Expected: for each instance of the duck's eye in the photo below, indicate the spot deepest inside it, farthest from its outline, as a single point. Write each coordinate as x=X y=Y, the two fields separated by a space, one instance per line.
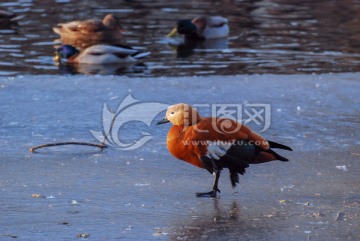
x=172 y=113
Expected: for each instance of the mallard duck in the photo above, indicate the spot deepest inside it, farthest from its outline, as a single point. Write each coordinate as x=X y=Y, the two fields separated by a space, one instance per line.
x=99 y=54
x=89 y=32
x=201 y=28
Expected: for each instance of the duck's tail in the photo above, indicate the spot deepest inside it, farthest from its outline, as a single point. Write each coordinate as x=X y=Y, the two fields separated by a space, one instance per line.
x=57 y=30
x=276 y=156
x=269 y=154
x=277 y=146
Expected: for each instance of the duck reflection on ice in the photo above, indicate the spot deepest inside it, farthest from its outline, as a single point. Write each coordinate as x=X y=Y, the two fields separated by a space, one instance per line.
x=98 y=69
x=222 y=216
x=185 y=48
x=99 y=59
x=230 y=215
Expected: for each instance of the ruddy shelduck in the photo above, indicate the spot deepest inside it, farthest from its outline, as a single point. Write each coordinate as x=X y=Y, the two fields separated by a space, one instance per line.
x=216 y=143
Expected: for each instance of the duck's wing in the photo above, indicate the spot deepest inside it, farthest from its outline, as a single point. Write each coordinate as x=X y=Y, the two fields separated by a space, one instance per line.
x=216 y=28
x=232 y=145
x=84 y=27
x=69 y=27
x=238 y=156
x=90 y=26
x=216 y=21
x=118 y=50
x=108 y=54
x=57 y=29
x=218 y=158
x=228 y=130
x=240 y=141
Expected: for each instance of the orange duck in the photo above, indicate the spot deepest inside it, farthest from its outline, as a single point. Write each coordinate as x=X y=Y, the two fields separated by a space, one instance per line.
x=216 y=143
x=90 y=32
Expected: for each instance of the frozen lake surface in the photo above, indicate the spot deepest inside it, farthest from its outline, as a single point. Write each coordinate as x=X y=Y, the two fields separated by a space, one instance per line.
x=146 y=194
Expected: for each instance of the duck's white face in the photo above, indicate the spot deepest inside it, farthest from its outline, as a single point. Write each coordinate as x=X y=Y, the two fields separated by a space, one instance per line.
x=175 y=114
x=182 y=115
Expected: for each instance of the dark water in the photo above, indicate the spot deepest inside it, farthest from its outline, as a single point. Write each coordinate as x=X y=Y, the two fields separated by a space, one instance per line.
x=268 y=36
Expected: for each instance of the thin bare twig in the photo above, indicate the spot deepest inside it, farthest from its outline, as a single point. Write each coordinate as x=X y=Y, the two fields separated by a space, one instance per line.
x=101 y=145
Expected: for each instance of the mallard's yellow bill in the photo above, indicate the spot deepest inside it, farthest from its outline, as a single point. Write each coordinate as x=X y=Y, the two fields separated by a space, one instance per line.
x=172 y=33
x=57 y=58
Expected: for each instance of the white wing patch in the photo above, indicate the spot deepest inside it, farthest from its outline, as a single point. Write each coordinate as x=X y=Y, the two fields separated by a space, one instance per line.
x=217 y=149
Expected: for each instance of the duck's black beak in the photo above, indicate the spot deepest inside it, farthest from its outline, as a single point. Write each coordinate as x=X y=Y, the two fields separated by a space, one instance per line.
x=163 y=121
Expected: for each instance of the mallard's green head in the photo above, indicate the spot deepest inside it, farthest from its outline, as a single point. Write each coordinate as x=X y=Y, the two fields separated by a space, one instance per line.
x=67 y=51
x=186 y=27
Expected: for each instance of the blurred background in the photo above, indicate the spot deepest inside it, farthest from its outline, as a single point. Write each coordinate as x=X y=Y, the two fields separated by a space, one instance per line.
x=266 y=36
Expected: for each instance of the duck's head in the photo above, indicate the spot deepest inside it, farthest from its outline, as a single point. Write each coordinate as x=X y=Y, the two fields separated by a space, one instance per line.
x=184 y=27
x=112 y=22
x=66 y=51
x=181 y=115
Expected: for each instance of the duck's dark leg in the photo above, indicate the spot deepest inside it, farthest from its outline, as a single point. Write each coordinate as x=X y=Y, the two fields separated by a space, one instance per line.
x=215 y=188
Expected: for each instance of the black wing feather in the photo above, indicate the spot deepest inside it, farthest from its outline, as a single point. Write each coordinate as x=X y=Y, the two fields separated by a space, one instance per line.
x=235 y=165
x=238 y=157
x=278 y=145
x=277 y=156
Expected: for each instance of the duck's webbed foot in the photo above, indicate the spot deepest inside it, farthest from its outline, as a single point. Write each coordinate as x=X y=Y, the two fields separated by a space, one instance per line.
x=208 y=194
x=215 y=188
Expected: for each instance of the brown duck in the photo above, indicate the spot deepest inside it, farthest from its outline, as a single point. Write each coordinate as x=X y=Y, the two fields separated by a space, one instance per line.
x=84 y=33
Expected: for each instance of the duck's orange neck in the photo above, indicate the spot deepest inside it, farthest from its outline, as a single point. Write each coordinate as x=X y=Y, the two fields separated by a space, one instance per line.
x=179 y=146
